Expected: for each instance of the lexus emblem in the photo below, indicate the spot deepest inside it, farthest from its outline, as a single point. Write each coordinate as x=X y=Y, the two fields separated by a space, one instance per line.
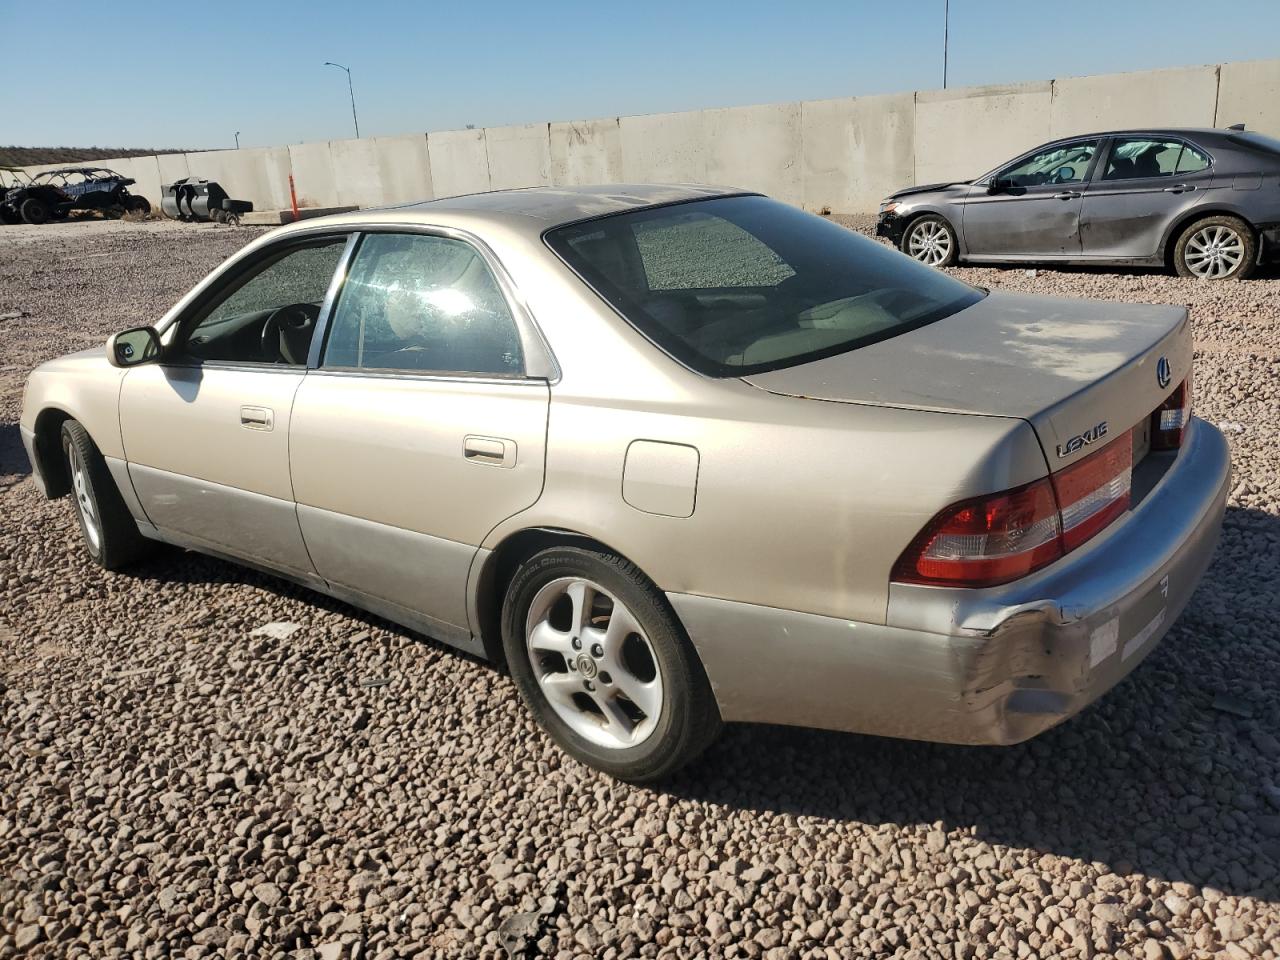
x=1163 y=372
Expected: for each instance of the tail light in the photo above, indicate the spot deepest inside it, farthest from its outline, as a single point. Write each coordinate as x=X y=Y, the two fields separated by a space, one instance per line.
x=1001 y=537
x=1169 y=422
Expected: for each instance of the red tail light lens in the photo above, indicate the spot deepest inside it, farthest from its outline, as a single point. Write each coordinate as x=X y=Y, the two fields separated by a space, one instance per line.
x=998 y=538
x=1094 y=491
x=1169 y=422
x=986 y=541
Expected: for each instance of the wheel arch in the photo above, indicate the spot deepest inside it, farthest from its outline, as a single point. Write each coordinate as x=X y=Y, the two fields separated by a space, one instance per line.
x=48 y=450
x=493 y=572
x=1169 y=241
x=947 y=214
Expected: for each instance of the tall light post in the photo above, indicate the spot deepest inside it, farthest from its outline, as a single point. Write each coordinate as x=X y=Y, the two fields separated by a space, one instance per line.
x=350 y=90
x=237 y=139
x=946 y=30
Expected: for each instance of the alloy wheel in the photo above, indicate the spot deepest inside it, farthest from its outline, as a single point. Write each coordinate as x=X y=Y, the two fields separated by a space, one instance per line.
x=929 y=242
x=84 y=498
x=1214 y=252
x=594 y=663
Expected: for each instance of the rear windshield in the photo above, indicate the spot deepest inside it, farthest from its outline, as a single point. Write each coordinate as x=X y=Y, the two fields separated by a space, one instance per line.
x=741 y=285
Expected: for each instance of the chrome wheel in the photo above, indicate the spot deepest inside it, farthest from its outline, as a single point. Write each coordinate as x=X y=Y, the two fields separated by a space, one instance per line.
x=84 y=497
x=929 y=241
x=594 y=663
x=1214 y=252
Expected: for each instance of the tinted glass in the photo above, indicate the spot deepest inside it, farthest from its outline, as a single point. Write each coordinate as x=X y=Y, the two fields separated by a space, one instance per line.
x=1140 y=158
x=1061 y=164
x=251 y=323
x=415 y=302
x=739 y=285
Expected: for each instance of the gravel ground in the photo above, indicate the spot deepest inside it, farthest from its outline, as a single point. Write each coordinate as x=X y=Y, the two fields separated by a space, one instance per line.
x=176 y=782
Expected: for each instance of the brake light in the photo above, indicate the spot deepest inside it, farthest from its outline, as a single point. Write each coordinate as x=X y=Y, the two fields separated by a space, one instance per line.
x=1169 y=422
x=1001 y=537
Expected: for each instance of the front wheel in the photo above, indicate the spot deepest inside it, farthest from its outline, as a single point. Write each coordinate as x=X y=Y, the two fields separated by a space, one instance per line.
x=604 y=665
x=932 y=240
x=110 y=533
x=34 y=211
x=1216 y=248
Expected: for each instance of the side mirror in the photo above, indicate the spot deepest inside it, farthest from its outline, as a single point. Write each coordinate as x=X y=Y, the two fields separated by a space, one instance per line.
x=999 y=185
x=130 y=348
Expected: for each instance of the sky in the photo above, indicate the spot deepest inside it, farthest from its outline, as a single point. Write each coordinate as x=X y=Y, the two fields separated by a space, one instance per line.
x=175 y=75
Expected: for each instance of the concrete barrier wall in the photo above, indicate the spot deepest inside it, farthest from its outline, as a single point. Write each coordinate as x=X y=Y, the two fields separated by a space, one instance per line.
x=840 y=155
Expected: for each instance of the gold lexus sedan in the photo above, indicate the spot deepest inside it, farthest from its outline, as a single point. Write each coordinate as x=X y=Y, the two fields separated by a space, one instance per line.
x=674 y=455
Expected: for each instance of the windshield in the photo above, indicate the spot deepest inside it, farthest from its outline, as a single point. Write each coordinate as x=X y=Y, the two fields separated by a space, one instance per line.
x=741 y=285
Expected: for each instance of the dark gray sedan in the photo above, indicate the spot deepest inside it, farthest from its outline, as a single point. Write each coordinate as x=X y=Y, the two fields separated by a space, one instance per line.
x=1204 y=202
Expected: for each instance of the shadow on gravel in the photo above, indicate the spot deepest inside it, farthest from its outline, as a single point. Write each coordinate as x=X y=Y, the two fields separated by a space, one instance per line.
x=1153 y=778
x=13 y=456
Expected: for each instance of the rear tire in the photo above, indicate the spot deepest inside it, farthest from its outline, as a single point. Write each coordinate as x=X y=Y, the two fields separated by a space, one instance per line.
x=604 y=665
x=34 y=211
x=1216 y=248
x=110 y=533
x=931 y=240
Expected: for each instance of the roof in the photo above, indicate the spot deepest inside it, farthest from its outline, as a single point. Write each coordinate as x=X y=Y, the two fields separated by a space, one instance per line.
x=1172 y=131
x=557 y=205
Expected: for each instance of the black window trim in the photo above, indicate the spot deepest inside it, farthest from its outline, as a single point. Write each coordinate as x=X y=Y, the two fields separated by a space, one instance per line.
x=1101 y=139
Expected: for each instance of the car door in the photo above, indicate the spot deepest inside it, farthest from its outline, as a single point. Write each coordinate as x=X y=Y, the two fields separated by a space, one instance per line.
x=1031 y=208
x=421 y=426
x=1142 y=186
x=206 y=430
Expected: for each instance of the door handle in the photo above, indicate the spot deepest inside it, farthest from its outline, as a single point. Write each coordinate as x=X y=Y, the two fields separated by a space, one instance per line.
x=1180 y=188
x=493 y=451
x=1066 y=195
x=257 y=418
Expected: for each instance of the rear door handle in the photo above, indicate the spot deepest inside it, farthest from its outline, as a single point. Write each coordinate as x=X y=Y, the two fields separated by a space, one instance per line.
x=493 y=451
x=1066 y=195
x=1180 y=188
x=257 y=418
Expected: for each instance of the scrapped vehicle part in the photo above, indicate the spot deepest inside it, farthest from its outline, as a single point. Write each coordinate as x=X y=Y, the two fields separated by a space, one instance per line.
x=676 y=455
x=196 y=199
x=1204 y=202
x=92 y=188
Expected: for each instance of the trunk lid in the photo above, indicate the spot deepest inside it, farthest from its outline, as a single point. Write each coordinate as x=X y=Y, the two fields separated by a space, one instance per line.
x=1079 y=371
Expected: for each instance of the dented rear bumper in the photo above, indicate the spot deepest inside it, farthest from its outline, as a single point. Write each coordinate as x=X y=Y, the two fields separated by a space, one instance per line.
x=991 y=666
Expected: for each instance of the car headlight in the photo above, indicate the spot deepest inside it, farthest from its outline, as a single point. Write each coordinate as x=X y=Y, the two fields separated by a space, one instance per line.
x=889 y=206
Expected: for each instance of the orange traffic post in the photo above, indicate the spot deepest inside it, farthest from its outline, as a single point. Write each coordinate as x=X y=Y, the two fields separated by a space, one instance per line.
x=293 y=198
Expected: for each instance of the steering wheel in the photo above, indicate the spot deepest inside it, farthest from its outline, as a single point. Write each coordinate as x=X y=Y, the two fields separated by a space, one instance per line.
x=286 y=333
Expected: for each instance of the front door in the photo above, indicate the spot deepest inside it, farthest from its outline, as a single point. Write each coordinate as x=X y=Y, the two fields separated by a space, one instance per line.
x=1145 y=184
x=206 y=430
x=420 y=430
x=1032 y=208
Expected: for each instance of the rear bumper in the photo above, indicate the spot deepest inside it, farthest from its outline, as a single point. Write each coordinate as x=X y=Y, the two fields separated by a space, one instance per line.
x=993 y=666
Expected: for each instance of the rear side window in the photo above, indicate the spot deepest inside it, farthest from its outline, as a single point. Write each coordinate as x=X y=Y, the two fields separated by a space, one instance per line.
x=740 y=285
x=1140 y=158
x=423 y=303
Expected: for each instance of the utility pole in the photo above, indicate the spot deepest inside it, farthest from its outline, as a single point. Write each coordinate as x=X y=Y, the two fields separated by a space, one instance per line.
x=237 y=139
x=946 y=31
x=351 y=90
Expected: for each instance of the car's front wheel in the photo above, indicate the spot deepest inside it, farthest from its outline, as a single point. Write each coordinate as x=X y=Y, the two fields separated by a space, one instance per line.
x=110 y=533
x=1216 y=248
x=932 y=240
x=604 y=665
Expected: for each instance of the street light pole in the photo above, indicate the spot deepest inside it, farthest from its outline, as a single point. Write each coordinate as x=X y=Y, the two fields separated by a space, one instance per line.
x=946 y=31
x=237 y=139
x=350 y=90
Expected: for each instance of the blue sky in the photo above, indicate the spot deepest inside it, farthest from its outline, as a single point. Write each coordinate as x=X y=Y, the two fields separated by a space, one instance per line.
x=144 y=74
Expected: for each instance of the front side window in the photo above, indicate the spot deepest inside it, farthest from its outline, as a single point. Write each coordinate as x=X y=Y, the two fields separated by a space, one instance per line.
x=422 y=303
x=1139 y=158
x=1065 y=163
x=739 y=285
x=270 y=314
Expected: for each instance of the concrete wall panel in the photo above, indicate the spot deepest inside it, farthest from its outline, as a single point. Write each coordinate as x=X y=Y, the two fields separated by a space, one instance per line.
x=664 y=148
x=1184 y=97
x=1249 y=93
x=459 y=162
x=260 y=175
x=404 y=167
x=145 y=171
x=357 y=176
x=586 y=151
x=173 y=166
x=755 y=147
x=963 y=133
x=314 y=177
x=519 y=156
x=856 y=150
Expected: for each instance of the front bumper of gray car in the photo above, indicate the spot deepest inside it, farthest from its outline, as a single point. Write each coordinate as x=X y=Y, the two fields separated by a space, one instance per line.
x=891 y=226
x=991 y=666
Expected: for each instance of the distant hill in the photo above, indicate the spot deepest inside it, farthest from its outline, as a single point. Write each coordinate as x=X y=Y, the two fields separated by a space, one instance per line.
x=30 y=156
